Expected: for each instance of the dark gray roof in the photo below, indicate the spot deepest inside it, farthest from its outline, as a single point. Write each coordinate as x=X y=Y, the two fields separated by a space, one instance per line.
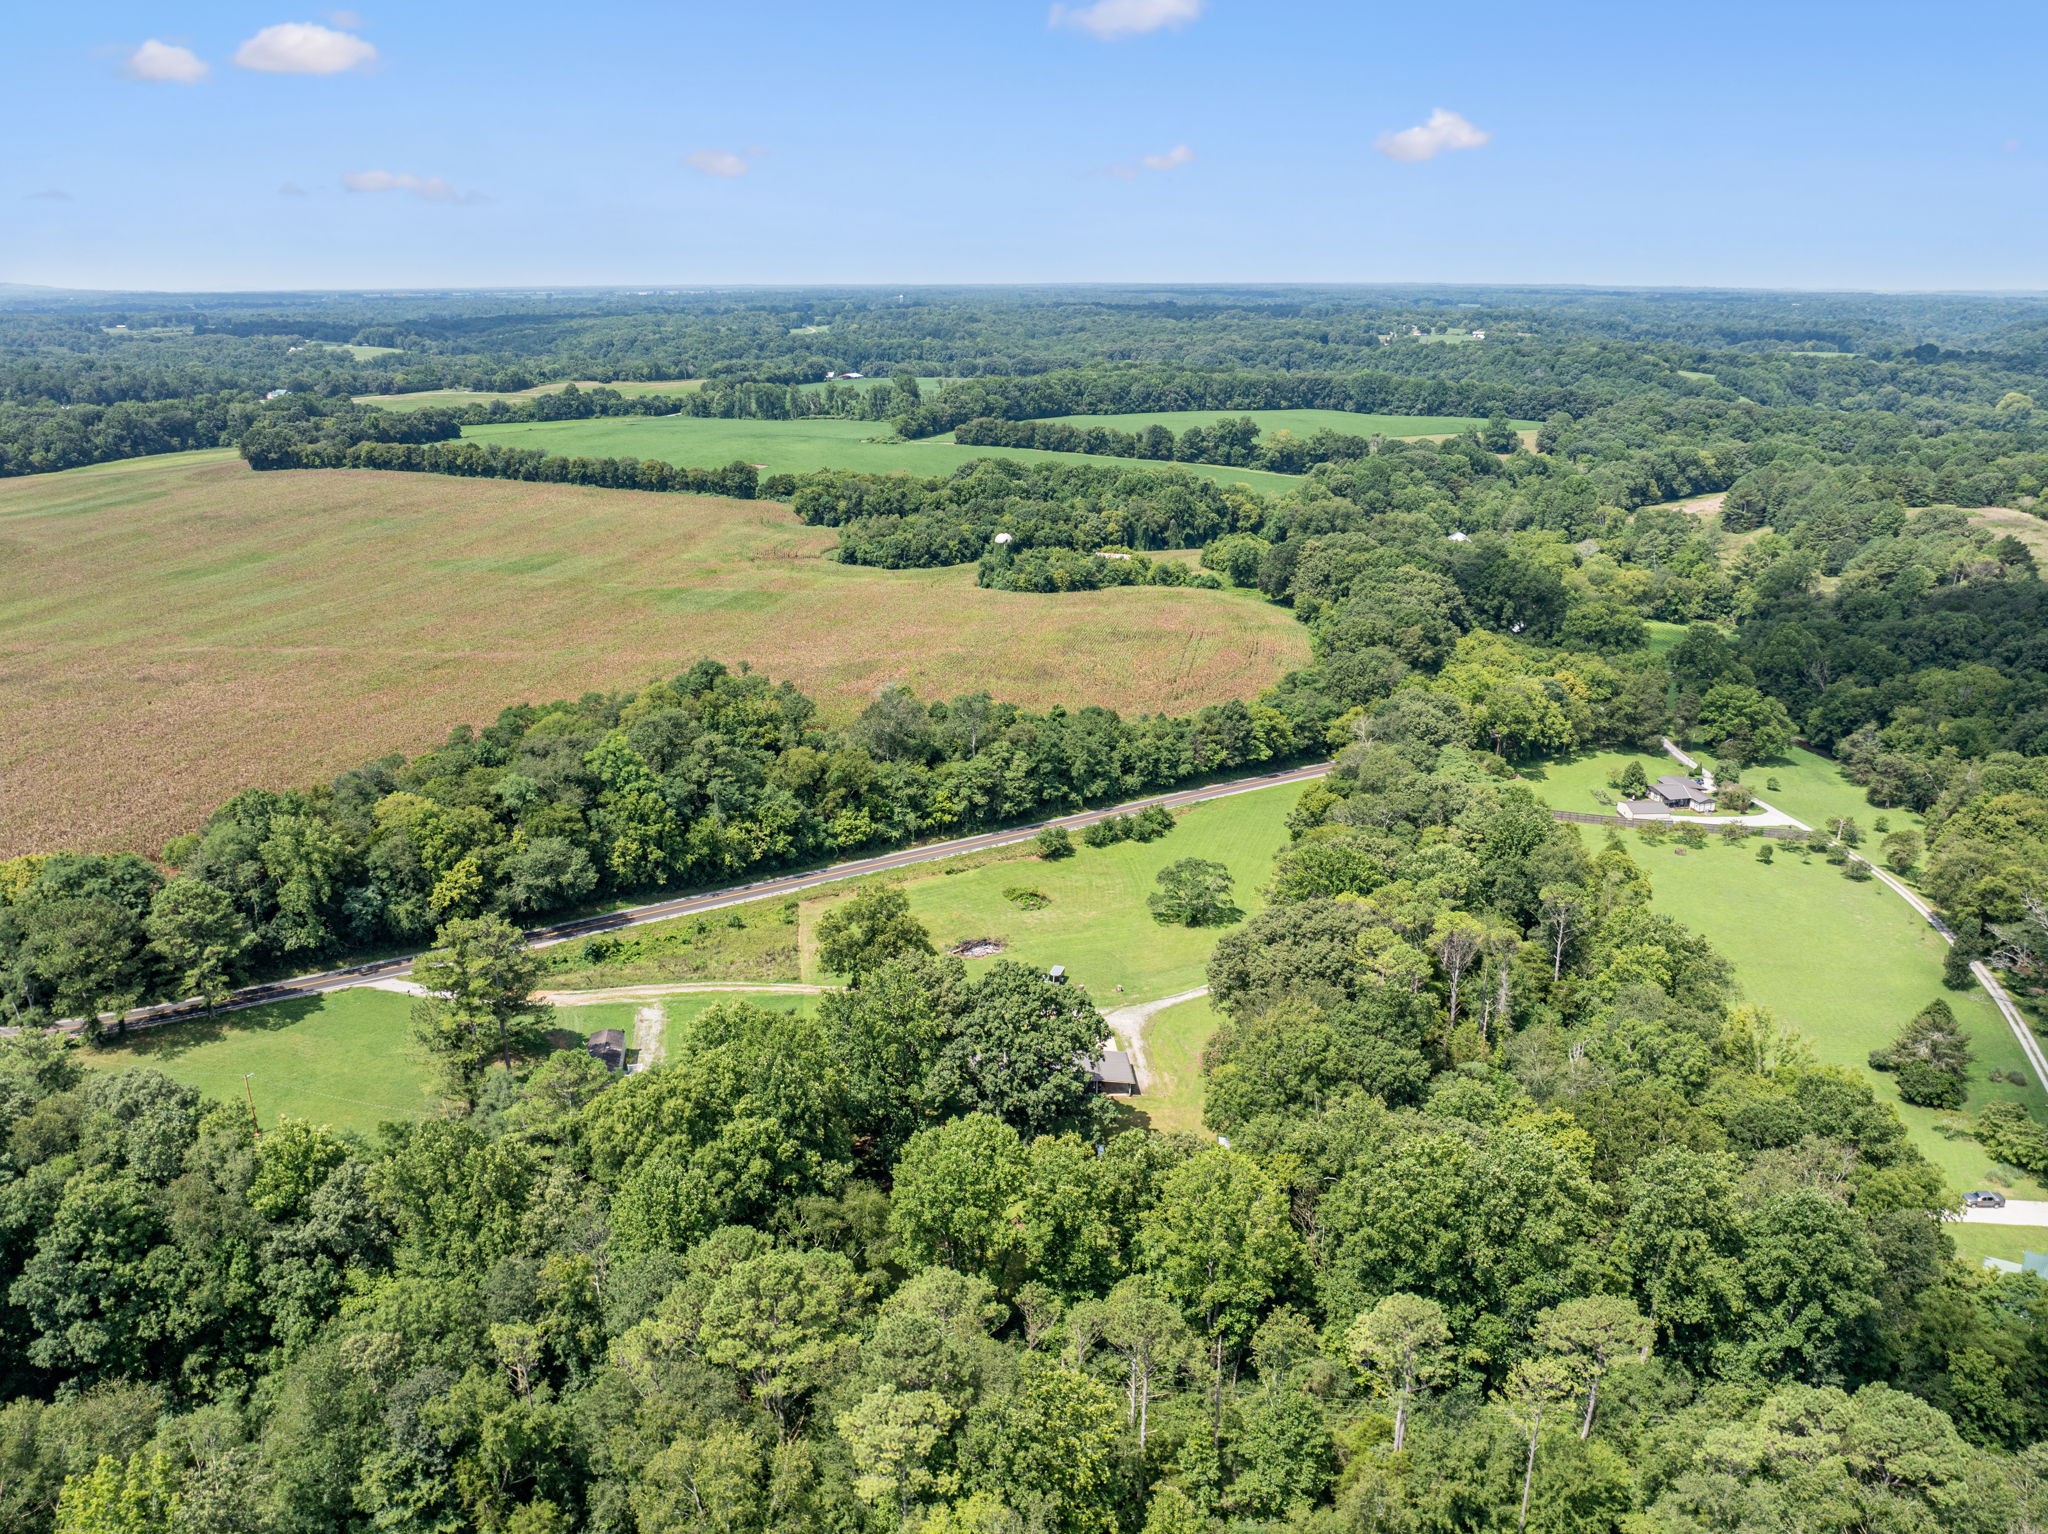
x=1679 y=787
x=1111 y=1071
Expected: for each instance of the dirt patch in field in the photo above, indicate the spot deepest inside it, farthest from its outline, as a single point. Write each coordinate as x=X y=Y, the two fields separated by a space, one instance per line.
x=175 y=630
x=977 y=948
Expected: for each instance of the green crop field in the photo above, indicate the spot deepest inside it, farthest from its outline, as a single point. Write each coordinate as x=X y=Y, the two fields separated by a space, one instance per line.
x=1846 y=964
x=1301 y=422
x=157 y=608
x=793 y=447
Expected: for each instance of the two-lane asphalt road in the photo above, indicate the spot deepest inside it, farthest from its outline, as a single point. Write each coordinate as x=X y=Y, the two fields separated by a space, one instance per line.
x=730 y=895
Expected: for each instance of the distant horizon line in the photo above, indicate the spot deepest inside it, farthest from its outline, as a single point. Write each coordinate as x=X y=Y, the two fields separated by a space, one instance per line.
x=678 y=289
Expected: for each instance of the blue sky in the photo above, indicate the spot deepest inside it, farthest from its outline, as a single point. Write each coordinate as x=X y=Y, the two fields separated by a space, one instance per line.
x=1803 y=143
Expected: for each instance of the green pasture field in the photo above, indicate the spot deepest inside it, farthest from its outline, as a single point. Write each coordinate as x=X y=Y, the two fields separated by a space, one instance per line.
x=793 y=447
x=1846 y=964
x=1975 y=1242
x=1174 y=1041
x=425 y=397
x=687 y=948
x=1302 y=423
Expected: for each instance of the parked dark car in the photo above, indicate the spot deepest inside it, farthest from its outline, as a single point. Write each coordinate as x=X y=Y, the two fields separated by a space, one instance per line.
x=1983 y=1200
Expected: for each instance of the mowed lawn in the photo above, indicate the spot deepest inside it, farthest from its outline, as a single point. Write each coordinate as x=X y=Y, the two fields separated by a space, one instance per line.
x=1811 y=788
x=1846 y=964
x=1975 y=1242
x=1174 y=1041
x=795 y=447
x=1095 y=921
x=175 y=629
x=346 y=1060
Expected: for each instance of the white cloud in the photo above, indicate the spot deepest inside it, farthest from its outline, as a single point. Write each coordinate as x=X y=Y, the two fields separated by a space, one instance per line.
x=50 y=194
x=304 y=48
x=431 y=188
x=1425 y=141
x=349 y=19
x=166 y=62
x=1173 y=159
x=291 y=189
x=1112 y=19
x=719 y=162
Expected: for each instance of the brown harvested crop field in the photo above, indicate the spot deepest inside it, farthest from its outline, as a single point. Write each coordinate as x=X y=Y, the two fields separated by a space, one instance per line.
x=175 y=629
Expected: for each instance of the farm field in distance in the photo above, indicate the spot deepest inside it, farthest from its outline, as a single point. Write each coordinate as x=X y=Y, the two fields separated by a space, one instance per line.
x=1301 y=422
x=157 y=609
x=795 y=447
x=426 y=397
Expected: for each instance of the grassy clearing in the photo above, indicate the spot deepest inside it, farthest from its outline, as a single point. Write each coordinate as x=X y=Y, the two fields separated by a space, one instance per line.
x=794 y=447
x=1813 y=789
x=1174 y=1041
x=175 y=629
x=1664 y=636
x=345 y=1060
x=1095 y=921
x=685 y=949
x=1581 y=782
x=1846 y=964
x=2012 y=1242
x=425 y=397
x=2023 y=525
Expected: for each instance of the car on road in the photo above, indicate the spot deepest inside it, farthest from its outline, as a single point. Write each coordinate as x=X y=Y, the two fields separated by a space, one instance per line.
x=1982 y=1200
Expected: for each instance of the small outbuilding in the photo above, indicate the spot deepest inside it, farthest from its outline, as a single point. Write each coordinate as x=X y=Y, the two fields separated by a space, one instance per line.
x=1110 y=1071
x=608 y=1045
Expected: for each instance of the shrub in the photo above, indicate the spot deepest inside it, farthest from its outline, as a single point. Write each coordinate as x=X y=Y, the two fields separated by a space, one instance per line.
x=1054 y=843
x=2009 y=1133
x=1027 y=899
x=1767 y=851
x=1926 y=1087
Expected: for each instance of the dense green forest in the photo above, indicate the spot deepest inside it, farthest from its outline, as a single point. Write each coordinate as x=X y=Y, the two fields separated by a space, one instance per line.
x=1521 y=1217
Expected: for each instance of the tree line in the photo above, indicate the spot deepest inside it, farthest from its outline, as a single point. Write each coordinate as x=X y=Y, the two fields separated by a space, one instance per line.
x=1525 y=1220
x=700 y=779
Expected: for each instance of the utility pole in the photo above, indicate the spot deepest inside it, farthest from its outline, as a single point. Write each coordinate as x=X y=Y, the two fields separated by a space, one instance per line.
x=254 y=1122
